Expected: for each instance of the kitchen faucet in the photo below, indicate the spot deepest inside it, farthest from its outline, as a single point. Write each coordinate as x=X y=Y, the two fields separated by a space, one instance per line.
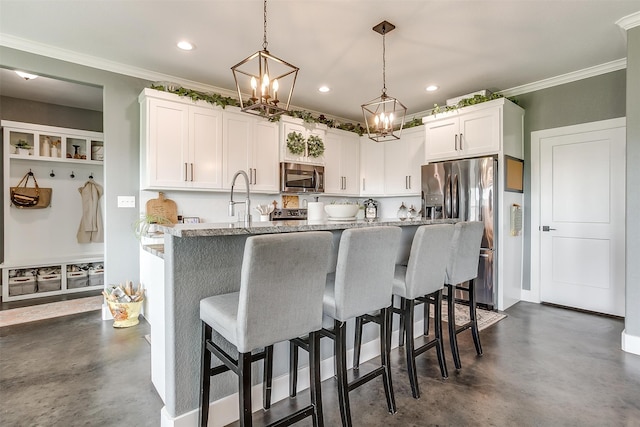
x=247 y=202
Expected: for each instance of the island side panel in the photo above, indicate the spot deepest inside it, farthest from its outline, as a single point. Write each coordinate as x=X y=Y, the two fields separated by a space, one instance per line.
x=195 y=268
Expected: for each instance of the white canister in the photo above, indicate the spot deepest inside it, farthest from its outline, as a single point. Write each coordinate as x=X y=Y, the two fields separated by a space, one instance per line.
x=46 y=147
x=315 y=211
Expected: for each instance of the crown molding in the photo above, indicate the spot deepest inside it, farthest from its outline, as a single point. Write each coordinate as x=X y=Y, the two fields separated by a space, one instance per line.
x=103 y=64
x=619 y=64
x=630 y=21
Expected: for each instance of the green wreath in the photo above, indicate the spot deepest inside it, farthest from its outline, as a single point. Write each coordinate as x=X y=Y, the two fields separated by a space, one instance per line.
x=295 y=142
x=315 y=146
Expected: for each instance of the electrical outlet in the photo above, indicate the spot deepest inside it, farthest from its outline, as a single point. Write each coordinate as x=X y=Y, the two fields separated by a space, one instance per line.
x=126 y=201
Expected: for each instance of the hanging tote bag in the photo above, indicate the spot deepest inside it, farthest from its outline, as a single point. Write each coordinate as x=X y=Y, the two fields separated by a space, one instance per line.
x=23 y=196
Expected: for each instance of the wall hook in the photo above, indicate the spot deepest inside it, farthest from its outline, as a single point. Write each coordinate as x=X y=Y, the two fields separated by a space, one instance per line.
x=91 y=175
x=73 y=175
x=52 y=174
x=30 y=173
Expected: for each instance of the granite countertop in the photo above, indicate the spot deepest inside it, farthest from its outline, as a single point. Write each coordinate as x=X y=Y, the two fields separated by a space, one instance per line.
x=271 y=227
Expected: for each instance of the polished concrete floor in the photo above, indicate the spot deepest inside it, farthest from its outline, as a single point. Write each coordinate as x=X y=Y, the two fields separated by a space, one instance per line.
x=542 y=366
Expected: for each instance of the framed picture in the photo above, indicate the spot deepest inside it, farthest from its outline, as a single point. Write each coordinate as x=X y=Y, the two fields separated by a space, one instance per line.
x=513 y=174
x=191 y=220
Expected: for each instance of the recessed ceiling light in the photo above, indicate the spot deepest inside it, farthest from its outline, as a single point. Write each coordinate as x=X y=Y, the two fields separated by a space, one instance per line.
x=324 y=89
x=432 y=88
x=185 y=45
x=26 y=76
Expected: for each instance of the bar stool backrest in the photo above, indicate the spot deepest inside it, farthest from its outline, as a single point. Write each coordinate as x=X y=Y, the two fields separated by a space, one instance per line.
x=281 y=300
x=364 y=272
x=465 y=252
x=428 y=259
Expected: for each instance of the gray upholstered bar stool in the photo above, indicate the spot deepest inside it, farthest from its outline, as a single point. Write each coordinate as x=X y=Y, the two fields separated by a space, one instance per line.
x=362 y=283
x=421 y=281
x=463 y=267
x=274 y=304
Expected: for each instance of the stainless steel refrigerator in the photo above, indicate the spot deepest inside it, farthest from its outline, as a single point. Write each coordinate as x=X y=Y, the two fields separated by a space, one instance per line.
x=466 y=189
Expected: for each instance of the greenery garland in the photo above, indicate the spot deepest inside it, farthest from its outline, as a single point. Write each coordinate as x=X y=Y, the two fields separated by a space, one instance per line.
x=307 y=117
x=315 y=146
x=295 y=142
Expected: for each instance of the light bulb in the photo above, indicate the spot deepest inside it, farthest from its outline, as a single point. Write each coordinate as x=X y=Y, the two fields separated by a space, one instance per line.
x=254 y=85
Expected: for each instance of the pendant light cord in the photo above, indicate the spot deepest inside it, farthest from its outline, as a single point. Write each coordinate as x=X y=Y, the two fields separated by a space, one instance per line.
x=384 y=65
x=264 y=41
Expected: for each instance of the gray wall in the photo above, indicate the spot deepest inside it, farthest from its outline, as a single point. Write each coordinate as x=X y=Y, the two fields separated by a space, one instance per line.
x=121 y=135
x=588 y=100
x=632 y=320
x=22 y=110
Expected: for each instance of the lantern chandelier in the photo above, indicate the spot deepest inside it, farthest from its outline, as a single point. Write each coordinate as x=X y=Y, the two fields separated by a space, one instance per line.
x=268 y=77
x=381 y=113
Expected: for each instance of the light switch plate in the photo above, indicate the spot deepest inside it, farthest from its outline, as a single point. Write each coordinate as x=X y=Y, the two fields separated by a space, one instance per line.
x=126 y=201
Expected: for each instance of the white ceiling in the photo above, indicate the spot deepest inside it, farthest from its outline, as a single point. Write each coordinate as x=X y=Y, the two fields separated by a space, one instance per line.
x=461 y=46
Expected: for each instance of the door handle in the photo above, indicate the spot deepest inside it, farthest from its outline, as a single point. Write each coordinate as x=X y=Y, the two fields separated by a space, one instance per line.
x=455 y=144
x=191 y=172
x=547 y=228
x=460 y=141
x=186 y=173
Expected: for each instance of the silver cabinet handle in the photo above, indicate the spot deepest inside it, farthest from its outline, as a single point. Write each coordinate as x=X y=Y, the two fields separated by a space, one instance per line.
x=186 y=176
x=460 y=141
x=363 y=186
x=409 y=182
x=455 y=144
x=191 y=172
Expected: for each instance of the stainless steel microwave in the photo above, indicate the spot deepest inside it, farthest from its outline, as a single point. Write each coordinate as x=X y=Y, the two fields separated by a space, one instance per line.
x=301 y=178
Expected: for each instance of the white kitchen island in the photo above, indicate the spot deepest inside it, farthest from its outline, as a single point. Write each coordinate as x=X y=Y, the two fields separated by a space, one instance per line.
x=201 y=260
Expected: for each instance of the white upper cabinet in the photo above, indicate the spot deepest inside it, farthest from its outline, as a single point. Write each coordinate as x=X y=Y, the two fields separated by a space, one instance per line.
x=250 y=144
x=472 y=131
x=181 y=144
x=402 y=161
x=290 y=126
x=342 y=158
x=371 y=167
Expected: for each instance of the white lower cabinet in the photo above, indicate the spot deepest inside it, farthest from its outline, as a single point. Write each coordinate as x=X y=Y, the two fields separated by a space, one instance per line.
x=342 y=161
x=250 y=144
x=28 y=281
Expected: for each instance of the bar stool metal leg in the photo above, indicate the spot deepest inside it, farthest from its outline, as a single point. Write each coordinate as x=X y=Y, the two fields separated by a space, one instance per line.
x=293 y=369
x=205 y=377
x=357 y=343
x=340 y=344
x=453 y=334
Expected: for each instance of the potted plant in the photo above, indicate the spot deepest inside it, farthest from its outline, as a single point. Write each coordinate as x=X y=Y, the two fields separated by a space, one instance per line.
x=145 y=226
x=23 y=147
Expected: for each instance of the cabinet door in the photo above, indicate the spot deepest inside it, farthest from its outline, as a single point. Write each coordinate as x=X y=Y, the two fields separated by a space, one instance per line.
x=441 y=139
x=264 y=156
x=205 y=156
x=403 y=159
x=414 y=140
x=350 y=163
x=371 y=167
x=237 y=137
x=333 y=178
x=480 y=132
x=168 y=144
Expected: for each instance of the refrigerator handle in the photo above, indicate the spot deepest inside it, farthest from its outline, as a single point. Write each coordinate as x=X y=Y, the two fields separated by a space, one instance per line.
x=447 y=198
x=454 y=197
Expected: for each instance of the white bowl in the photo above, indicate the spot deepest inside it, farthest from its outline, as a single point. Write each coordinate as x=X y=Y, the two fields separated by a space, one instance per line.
x=341 y=211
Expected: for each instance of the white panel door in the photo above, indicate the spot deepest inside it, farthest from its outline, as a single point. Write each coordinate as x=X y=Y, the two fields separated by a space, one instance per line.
x=582 y=247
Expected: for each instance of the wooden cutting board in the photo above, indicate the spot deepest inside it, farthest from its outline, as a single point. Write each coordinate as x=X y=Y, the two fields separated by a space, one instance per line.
x=163 y=207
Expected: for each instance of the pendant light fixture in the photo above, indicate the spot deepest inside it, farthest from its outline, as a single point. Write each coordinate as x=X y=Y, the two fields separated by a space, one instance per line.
x=380 y=114
x=269 y=78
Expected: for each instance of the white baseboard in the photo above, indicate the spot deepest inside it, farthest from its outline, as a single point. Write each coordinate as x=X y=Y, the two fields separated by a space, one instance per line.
x=225 y=411
x=630 y=343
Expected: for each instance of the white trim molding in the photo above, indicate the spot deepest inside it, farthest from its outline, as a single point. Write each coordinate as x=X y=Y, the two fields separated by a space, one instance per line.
x=630 y=21
x=630 y=343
